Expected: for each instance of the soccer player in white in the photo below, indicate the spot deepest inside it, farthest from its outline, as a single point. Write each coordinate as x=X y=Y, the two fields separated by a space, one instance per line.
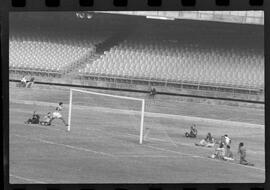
x=227 y=140
x=57 y=114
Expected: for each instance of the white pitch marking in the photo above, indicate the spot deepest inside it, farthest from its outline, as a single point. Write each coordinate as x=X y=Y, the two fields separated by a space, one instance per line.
x=46 y=127
x=67 y=146
x=128 y=134
x=195 y=156
x=146 y=156
x=179 y=152
x=202 y=120
x=26 y=179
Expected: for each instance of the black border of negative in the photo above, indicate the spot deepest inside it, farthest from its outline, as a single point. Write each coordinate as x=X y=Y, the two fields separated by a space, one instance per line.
x=7 y=6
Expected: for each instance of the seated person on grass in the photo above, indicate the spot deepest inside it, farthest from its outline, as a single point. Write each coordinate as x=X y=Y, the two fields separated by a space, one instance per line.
x=193 y=132
x=219 y=152
x=46 y=120
x=34 y=119
x=228 y=154
x=207 y=142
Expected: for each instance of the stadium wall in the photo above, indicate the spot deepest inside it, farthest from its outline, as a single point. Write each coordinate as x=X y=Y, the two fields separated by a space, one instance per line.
x=188 y=95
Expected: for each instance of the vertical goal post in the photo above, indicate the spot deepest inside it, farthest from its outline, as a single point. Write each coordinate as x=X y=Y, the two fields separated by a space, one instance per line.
x=108 y=95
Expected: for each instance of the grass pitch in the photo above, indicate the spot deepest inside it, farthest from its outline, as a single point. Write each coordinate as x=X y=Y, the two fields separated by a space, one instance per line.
x=103 y=146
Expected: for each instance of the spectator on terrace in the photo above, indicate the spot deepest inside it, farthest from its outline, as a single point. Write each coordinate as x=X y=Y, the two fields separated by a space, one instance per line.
x=153 y=92
x=24 y=81
x=30 y=83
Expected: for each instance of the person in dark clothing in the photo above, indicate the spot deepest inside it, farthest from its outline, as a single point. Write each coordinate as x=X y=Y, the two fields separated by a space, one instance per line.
x=30 y=83
x=34 y=120
x=153 y=92
x=193 y=132
x=242 y=153
x=46 y=120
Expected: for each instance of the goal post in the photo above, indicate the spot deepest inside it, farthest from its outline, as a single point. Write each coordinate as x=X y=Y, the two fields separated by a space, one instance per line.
x=142 y=101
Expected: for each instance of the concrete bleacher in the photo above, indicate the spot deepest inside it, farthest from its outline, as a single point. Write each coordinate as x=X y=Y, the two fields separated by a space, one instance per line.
x=44 y=56
x=135 y=48
x=182 y=62
x=52 y=52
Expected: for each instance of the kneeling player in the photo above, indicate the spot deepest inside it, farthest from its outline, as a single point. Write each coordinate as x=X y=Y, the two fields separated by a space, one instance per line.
x=57 y=114
x=242 y=152
x=46 y=120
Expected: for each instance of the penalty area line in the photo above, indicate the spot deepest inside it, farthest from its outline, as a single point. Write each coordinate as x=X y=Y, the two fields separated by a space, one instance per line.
x=26 y=179
x=66 y=146
x=146 y=156
x=205 y=158
x=45 y=127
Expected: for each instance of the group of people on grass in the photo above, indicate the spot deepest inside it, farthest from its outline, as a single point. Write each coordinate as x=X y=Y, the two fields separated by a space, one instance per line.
x=222 y=147
x=48 y=118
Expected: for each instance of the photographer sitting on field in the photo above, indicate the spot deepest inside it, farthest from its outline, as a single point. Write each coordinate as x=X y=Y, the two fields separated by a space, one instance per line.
x=34 y=119
x=209 y=141
x=193 y=132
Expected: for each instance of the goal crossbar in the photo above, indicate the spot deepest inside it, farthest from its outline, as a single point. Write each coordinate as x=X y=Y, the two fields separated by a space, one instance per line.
x=108 y=95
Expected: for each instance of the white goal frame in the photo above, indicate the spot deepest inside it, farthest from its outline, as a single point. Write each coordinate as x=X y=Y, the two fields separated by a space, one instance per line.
x=110 y=95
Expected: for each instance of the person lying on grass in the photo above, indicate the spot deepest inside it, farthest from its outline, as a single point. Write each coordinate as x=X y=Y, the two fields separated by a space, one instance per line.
x=46 y=119
x=209 y=141
x=193 y=132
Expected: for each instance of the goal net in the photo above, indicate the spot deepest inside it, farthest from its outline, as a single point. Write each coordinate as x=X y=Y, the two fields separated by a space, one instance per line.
x=104 y=115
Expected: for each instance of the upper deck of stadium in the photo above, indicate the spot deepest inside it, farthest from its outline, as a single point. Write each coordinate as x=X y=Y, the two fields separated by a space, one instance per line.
x=137 y=48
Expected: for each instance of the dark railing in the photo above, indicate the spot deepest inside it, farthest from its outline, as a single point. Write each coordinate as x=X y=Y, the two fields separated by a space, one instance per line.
x=181 y=84
x=144 y=91
x=190 y=85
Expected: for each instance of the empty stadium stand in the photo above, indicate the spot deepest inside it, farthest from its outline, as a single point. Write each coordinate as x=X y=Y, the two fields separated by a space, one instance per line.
x=181 y=62
x=137 y=49
x=47 y=53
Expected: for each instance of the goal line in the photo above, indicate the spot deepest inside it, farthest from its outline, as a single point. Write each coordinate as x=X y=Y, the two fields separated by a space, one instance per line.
x=107 y=95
